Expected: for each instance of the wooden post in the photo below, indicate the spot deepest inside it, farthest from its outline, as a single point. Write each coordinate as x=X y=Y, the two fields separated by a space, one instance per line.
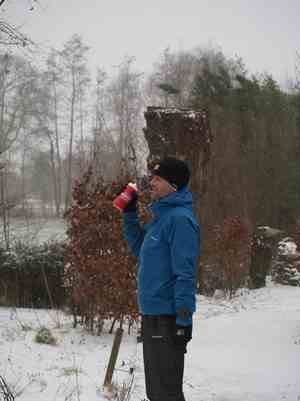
x=113 y=357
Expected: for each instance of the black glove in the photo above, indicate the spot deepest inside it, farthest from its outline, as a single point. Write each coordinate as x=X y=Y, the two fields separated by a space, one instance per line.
x=182 y=335
x=132 y=205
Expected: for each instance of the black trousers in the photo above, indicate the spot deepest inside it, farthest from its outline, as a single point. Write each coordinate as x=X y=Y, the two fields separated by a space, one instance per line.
x=163 y=358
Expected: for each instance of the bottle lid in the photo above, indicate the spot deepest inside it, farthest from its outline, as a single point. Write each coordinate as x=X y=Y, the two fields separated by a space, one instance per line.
x=132 y=185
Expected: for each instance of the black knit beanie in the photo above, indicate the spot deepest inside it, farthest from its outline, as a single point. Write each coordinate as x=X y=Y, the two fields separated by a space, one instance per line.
x=175 y=171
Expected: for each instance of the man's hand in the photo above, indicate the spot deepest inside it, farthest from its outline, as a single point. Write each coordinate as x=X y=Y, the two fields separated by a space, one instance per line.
x=132 y=205
x=182 y=335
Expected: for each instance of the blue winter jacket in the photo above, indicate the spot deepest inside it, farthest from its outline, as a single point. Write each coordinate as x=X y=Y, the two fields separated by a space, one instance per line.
x=168 y=250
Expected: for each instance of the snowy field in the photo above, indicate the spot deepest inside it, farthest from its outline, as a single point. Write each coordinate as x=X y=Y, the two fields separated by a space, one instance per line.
x=36 y=230
x=244 y=350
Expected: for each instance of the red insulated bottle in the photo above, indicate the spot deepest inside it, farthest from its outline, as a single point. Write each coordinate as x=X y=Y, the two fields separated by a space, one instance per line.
x=122 y=200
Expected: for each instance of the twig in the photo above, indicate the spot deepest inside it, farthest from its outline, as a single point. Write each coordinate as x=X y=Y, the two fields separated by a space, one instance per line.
x=5 y=390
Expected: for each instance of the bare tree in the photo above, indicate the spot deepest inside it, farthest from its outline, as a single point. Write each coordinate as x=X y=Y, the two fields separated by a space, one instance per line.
x=11 y=36
x=297 y=71
x=16 y=83
x=103 y=147
x=54 y=82
x=76 y=79
x=126 y=104
x=171 y=80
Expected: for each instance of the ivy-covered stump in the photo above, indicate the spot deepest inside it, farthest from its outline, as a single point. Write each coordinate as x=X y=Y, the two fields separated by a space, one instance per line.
x=182 y=133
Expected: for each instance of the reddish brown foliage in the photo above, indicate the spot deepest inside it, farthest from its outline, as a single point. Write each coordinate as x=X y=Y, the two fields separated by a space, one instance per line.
x=232 y=247
x=101 y=276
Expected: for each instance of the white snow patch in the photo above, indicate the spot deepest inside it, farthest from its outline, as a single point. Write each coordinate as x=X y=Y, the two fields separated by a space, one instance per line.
x=287 y=246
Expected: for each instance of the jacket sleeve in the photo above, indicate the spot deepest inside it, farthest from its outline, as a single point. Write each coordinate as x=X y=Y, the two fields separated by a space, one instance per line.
x=133 y=232
x=184 y=241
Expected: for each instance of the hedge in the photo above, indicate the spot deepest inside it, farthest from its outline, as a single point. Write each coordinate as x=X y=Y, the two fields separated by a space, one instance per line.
x=32 y=276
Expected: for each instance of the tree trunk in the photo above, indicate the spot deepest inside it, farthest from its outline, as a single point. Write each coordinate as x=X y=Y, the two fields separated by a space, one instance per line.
x=4 y=208
x=264 y=243
x=70 y=157
x=54 y=179
x=58 y=158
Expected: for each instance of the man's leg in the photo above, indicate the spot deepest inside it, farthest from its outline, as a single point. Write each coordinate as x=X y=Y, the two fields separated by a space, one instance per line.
x=163 y=359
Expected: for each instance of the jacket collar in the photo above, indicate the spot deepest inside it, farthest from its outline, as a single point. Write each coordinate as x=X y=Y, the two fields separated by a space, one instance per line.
x=181 y=198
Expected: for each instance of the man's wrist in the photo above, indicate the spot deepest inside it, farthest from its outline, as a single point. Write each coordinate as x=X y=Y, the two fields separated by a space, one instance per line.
x=184 y=317
x=131 y=211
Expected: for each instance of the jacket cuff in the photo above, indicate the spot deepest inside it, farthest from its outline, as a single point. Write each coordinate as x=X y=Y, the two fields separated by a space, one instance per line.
x=130 y=212
x=184 y=322
x=130 y=215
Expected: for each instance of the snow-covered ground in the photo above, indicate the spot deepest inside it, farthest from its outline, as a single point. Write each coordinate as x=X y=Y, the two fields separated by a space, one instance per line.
x=247 y=349
x=36 y=230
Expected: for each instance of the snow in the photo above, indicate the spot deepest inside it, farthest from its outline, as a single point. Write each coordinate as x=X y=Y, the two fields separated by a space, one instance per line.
x=246 y=349
x=287 y=246
x=249 y=353
x=173 y=110
x=36 y=231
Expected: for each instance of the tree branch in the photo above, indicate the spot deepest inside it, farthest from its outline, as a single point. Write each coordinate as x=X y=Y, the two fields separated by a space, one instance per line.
x=11 y=35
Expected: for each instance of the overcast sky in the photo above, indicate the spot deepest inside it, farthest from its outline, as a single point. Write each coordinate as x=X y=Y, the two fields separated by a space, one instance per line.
x=264 y=33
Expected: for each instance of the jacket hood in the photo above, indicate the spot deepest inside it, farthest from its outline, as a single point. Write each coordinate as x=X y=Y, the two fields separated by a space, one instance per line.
x=181 y=198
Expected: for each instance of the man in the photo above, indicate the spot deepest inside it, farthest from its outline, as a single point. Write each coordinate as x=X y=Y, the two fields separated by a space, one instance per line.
x=168 y=249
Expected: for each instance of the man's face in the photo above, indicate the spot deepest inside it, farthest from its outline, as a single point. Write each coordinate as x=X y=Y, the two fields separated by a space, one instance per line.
x=160 y=187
